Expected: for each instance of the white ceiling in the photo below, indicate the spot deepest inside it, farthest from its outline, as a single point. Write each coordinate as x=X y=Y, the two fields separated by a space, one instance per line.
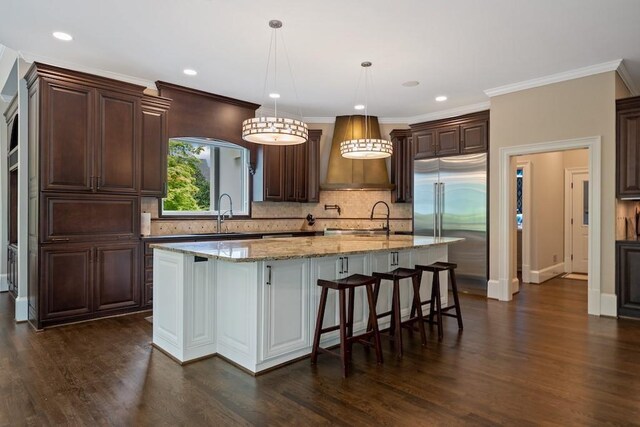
x=458 y=48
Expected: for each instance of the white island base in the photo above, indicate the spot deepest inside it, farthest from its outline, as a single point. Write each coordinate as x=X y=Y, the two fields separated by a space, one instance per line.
x=261 y=314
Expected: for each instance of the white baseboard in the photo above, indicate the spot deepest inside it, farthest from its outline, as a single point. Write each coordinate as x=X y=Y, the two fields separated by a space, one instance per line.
x=514 y=286
x=609 y=305
x=22 y=309
x=539 y=276
x=526 y=273
x=4 y=286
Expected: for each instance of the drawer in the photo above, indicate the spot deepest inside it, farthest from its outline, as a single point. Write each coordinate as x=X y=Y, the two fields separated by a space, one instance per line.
x=87 y=217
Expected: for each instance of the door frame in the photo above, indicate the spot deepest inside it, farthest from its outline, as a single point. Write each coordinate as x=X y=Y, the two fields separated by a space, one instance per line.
x=503 y=288
x=526 y=219
x=568 y=230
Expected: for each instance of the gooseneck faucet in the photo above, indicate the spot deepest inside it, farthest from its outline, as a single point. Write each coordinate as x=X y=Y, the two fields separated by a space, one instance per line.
x=229 y=212
x=388 y=213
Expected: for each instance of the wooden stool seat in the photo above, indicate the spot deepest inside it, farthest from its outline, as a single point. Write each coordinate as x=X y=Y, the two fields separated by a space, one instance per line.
x=346 y=318
x=395 y=328
x=438 y=311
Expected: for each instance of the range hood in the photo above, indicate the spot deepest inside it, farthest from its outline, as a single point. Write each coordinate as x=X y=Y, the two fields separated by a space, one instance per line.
x=348 y=174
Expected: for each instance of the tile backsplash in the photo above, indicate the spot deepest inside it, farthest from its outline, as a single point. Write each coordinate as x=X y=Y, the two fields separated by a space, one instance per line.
x=275 y=216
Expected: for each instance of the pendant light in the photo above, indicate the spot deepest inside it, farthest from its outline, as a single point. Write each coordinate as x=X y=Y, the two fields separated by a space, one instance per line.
x=274 y=130
x=366 y=147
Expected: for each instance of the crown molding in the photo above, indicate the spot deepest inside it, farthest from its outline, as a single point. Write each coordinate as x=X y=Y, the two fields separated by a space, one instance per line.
x=444 y=114
x=31 y=57
x=2 y=48
x=555 y=78
x=626 y=78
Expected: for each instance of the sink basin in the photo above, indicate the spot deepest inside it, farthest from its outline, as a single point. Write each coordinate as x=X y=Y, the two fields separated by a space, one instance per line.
x=355 y=231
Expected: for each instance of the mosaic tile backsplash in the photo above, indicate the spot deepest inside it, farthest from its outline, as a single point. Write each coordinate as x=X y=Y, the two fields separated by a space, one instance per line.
x=271 y=216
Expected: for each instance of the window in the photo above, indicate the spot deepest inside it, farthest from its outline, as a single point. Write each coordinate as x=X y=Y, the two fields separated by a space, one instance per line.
x=199 y=171
x=519 y=175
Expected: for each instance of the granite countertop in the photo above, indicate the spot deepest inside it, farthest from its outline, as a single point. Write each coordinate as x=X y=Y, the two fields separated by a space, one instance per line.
x=214 y=236
x=301 y=247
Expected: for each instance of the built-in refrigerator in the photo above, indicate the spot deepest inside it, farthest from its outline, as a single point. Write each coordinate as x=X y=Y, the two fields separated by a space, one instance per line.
x=450 y=200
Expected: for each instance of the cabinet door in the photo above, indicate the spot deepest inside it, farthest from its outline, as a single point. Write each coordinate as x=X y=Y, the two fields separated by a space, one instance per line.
x=301 y=164
x=274 y=171
x=285 y=307
x=66 y=281
x=66 y=137
x=403 y=259
x=290 y=174
x=424 y=143
x=628 y=279
x=381 y=263
x=358 y=264
x=117 y=143
x=154 y=152
x=313 y=166
x=117 y=282
x=448 y=140
x=628 y=154
x=326 y=268
x=402 y=168
x=474 y=137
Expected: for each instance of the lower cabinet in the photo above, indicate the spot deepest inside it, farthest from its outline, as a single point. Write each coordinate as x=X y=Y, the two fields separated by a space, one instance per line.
x=285 y=307
x=628 y=278
x=79 y=281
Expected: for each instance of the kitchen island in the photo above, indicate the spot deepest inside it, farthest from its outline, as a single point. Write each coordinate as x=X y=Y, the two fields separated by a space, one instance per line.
x=254 y=302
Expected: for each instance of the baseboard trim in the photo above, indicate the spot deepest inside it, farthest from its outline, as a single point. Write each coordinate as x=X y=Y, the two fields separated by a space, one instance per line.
x=22 y=309
x=4 y=286
x=493 y=289
x=609 y=305
x=539 y=276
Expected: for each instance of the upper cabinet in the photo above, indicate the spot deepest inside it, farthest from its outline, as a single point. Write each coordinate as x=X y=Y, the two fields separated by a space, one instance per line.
x=402 y=166
x=154 y=146
x=97 y=134
x=450 y=137
x=292 y=173
x=628 y=148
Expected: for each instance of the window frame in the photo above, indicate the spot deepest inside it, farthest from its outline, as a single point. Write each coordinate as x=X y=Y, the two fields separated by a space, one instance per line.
x=246 y=214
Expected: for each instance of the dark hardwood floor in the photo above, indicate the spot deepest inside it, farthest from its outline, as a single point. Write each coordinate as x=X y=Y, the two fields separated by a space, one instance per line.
x=538 y=360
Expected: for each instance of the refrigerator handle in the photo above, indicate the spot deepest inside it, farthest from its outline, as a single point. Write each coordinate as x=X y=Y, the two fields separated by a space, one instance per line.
x=436 y=209
x=441 y=209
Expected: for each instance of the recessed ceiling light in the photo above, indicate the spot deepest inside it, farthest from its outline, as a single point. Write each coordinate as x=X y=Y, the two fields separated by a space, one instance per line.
x=274 y=95
x=411 y=83
x=189 y=72
x=359 y=107
x=62 y=36
x=441 y=98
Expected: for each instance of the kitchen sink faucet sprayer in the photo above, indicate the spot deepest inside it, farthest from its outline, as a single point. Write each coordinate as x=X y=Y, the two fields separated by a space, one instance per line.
x=388 y=213
x=229 y=213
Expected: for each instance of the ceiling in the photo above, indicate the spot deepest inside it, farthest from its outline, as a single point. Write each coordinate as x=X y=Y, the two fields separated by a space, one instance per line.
x=455 y=48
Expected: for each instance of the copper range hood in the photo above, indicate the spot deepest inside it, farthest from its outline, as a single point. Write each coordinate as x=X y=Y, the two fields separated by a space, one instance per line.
x=348 y=174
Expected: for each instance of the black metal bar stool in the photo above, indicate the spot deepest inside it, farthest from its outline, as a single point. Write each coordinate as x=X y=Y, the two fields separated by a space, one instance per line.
x=346 y=324
x=395 y=329
x=438 y=310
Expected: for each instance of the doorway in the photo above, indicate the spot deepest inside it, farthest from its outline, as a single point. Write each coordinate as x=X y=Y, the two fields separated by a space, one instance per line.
x=576 y=220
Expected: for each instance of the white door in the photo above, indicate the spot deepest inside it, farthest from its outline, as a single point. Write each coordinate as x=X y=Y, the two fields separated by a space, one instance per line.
x=579 y=222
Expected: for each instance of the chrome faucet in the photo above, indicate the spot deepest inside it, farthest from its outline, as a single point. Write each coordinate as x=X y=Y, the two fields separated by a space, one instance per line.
x=388 y=213
x=229 y=212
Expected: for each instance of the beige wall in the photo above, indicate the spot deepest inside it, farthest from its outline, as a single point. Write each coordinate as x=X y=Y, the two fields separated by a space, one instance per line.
x=577 y=108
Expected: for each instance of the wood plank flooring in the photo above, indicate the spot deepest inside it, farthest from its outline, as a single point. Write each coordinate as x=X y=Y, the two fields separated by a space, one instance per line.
x=538 y=360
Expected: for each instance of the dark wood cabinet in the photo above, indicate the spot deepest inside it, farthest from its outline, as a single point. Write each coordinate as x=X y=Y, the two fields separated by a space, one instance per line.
x=117 y=148
x=292 y=173
x=273 y=173
x=99 y=145
x=628 y=148
x=116 y=279
x=154 y=146
x=79 y=281
x=67 y=132
x=402 y=166
x=466 y=134
x=628 y=278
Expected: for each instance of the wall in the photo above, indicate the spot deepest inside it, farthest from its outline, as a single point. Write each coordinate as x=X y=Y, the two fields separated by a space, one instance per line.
x=284 y=216
x=577 y=108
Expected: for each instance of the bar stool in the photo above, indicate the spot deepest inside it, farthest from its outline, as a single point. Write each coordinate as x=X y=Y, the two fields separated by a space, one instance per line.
x=438 y=310
x=395 y=329
x=346 y=323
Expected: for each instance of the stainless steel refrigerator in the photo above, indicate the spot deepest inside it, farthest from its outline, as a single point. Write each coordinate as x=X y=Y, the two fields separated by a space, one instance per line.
x=450 y=200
